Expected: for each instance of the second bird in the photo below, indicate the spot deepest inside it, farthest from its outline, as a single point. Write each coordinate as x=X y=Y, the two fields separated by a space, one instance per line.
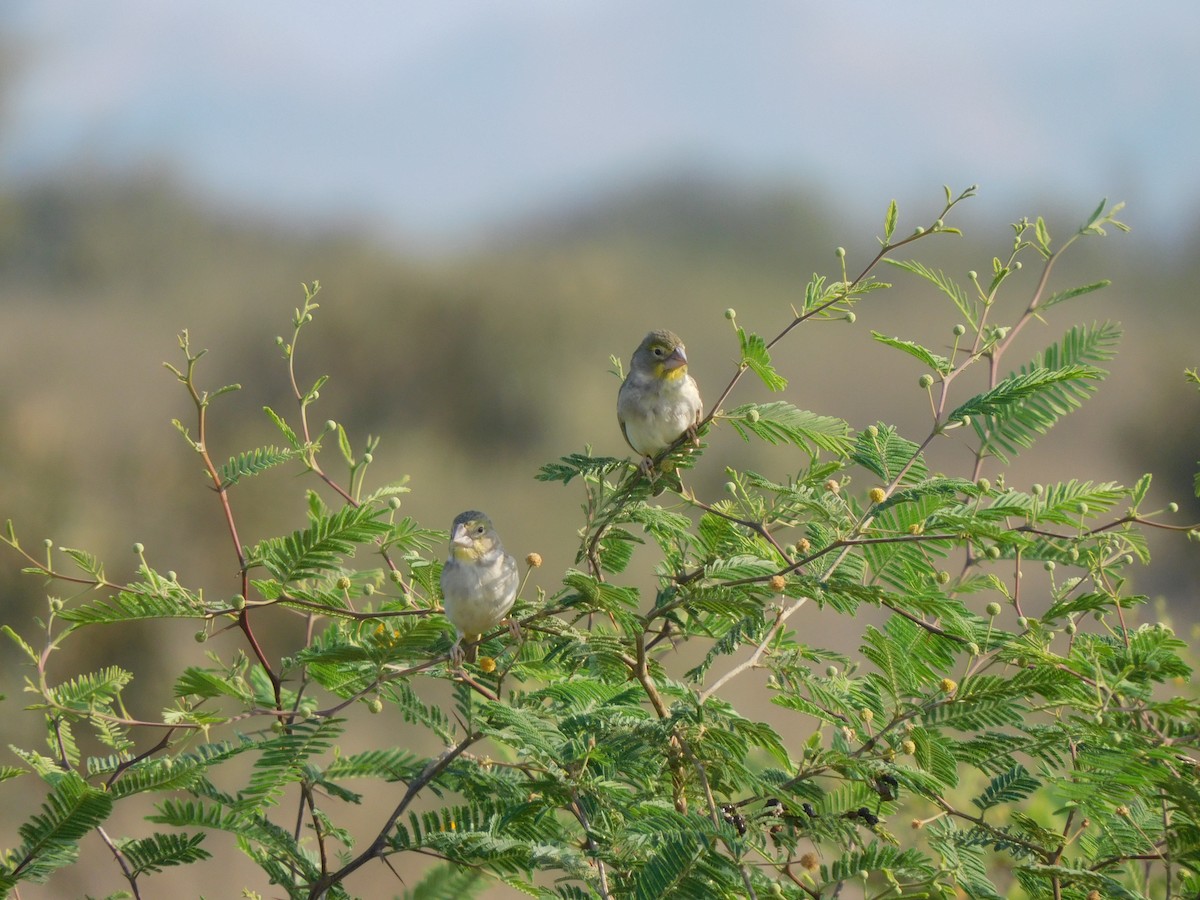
x=658 y=400
x=479 y=581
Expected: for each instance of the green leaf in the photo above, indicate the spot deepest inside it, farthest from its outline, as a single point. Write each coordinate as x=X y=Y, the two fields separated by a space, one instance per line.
x=126 y=606
x=447 y=882
x=579 y=464
x=1064 y=503
x=1019 y=387
x=616 y=549
x=20 y=642
x=934 y=754
x=939 y=364
x=599 y=596
x=757 y=358
x=85 y=692
x=779 y=422
x=253 y=462
x=283 y=759
x=941 y=490
x=889 y=222
x=158 y=776
x=87 y=563
x=674 y=856
x=1007 y=787
x=408 y=536
x=250 y=830
x=881 y=450
x=943 y=283
x=1069 y=294
x=1043 y=234
x=344 y=445
x=1138 y=493
x=284 y=429
x=322 y=546
x=1017 y=427
x=157 y=852
x=206 y=684
x=50 y=839
x=388 y=764
x=877 y=857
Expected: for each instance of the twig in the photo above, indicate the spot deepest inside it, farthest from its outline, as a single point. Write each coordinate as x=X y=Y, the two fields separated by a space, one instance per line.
x=432 y=770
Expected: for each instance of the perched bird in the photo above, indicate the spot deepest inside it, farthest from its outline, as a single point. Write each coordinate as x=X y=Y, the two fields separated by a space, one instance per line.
x=479 y=581
x=658 y=400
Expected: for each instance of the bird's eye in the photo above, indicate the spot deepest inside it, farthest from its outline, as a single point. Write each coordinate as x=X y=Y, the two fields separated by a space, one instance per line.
x=479 y=529
x=658 y=351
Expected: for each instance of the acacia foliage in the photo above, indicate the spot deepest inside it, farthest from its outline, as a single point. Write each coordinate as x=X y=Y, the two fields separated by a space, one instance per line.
x=986 y=738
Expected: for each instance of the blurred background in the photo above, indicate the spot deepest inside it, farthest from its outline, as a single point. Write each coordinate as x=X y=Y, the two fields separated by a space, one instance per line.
x=498 y=196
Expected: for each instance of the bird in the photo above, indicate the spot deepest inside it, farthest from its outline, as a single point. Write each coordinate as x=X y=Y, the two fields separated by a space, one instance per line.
x=658 y=400
x=479 y=581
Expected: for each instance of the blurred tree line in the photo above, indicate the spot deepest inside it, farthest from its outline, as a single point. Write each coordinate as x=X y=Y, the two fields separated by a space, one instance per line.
x=477 y=365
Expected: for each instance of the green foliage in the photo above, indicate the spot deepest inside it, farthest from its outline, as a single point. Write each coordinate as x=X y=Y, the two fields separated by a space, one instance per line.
x=157 y=852
x=782 y=423
x=1004 y=700
x=253 y=462
x=756 y=357
x=50 y=839
x=1016 y=429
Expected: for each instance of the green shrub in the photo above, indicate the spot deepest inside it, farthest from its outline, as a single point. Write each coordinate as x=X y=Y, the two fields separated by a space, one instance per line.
x=992 y=734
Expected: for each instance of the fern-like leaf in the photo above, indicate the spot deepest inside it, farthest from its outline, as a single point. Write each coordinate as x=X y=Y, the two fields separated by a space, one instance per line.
x=579 y=464
x=253 y=462
x=935 y=361
x=943 y=283
x=157 y=852
x=447 y=882
x=881 y=450
x=50 y=839
x=320 y=547
x=1007 y=787
x=780 y=422
x=674 y=856
x=84 y=692
x=283 y=760
x=1005 y=432
x=1003 y=399
x=757 y=358
x=127 y=606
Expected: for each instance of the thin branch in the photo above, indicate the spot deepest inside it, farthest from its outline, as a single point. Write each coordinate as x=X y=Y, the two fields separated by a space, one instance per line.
x=120 y=858
x=377 y=847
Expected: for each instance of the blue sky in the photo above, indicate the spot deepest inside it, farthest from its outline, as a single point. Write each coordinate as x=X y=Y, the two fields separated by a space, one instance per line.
x=434 y=118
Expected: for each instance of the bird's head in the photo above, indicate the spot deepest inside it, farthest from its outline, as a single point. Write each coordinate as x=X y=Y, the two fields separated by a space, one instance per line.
x=472 y=536
x=660 y=354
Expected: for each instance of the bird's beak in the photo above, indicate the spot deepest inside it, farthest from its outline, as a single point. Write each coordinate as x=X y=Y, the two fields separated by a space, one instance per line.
x=460 y=538
x=677 y=359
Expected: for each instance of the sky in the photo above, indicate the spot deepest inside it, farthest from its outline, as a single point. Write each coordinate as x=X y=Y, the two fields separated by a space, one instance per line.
x=437 y=119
